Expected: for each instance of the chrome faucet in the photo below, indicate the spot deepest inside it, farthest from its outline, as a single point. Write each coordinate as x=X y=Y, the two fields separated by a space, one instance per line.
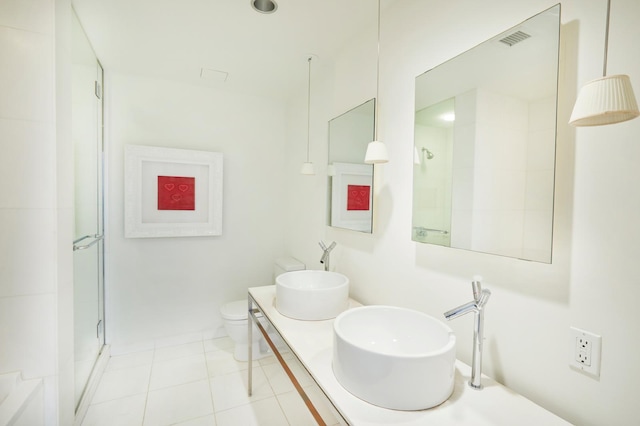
x=325 y=255
x=480 y=298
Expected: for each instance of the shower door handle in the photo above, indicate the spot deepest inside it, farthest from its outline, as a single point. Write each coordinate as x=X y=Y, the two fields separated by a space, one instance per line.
x=97 y=238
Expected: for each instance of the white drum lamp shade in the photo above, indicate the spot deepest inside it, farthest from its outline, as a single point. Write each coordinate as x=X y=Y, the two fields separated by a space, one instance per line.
x=307 y=169
x=376 y=153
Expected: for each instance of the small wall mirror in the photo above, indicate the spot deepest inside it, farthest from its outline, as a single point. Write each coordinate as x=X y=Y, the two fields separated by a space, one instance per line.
x=350 y=194
x=484 y=151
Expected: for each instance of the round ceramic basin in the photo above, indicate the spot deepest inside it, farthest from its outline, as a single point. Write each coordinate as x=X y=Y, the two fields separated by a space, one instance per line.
x=312 y=295
x=394 y=357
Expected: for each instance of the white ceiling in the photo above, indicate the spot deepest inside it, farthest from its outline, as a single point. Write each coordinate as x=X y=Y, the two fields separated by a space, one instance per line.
x=264 y=54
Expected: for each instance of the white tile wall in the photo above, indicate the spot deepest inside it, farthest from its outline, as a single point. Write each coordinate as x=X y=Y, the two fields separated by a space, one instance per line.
x=26 y=68
x=27 y=324
x=31 y=230
x=26 y=240
x=27 y=147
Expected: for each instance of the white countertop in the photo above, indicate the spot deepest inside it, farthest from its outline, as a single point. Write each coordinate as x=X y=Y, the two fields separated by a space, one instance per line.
x=312 y=343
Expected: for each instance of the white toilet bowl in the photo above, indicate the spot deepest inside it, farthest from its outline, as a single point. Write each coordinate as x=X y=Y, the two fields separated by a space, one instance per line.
x=235 y=319
x=235 y=316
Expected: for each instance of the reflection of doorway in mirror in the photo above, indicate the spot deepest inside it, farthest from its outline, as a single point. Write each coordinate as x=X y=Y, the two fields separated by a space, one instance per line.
x=433 y=173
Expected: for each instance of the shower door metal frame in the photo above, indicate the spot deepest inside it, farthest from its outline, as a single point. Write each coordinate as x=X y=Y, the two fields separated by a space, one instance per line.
x=90 y=237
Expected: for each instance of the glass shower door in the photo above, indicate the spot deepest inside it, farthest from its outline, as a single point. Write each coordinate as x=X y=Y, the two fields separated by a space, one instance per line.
x=88 y=242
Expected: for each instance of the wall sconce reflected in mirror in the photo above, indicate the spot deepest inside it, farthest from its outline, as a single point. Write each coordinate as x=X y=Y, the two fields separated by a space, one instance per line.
x=607 y=100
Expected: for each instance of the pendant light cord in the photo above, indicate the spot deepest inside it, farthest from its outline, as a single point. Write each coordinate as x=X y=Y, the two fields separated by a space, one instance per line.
x=308 y=108
x=377 y=111
x=606 y=39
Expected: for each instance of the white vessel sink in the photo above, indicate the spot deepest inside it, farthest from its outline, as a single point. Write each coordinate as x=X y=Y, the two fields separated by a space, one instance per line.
x=312 y=295
x=394 y=357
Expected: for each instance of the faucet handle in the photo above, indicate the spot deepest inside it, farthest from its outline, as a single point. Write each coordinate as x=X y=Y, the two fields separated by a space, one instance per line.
x=323 y=246
x=476 y=285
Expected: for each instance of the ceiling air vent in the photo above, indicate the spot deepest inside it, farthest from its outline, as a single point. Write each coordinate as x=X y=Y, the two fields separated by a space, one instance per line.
x=514 y=38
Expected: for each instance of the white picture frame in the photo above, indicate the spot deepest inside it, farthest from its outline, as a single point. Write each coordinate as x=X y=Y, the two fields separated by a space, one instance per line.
x=144 y=217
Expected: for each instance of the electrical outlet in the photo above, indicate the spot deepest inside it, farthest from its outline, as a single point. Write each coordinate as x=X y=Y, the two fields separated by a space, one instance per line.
x=584 y=351
x=584 y=347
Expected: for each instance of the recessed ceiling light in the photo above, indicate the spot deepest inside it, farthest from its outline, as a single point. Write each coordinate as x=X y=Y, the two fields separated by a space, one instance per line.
x=264 y=6
x=449 y=116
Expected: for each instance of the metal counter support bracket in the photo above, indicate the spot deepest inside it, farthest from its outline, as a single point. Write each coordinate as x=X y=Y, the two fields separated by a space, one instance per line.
x=254 y=320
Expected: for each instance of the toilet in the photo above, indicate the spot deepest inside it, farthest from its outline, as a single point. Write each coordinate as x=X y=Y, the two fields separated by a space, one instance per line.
x=235 y=316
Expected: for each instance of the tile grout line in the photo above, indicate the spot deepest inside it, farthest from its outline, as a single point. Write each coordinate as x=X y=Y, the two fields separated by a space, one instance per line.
x=146 y=397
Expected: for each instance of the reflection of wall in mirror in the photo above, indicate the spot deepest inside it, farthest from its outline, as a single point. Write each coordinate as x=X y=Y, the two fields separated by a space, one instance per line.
x=349 y=136
x=506 y=163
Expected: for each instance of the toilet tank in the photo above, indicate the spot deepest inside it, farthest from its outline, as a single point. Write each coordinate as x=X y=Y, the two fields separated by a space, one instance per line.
x=286 y=264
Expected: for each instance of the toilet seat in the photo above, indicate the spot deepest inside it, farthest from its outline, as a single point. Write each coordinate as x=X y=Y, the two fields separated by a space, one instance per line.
x=236 y=311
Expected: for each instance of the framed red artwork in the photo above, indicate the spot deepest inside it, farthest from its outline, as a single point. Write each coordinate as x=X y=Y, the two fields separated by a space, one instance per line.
x=172 y=192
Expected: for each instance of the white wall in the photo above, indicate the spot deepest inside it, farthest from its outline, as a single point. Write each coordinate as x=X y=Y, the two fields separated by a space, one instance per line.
x=592 y=282
x=169 y=290
x=36 y=217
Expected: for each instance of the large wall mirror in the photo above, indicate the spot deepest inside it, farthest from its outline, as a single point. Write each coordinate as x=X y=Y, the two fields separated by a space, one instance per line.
x=350 y=194
x=484 y=151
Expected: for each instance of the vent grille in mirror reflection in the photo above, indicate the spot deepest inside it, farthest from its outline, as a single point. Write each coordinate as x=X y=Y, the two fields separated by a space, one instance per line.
x=514 y=38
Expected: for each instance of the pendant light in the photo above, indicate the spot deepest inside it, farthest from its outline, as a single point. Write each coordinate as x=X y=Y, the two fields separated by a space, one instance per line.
x=376 y=150
x=307 y=167
x=607 y=100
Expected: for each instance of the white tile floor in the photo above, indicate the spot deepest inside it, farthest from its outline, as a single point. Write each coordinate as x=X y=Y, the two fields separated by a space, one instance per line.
x=200 y=384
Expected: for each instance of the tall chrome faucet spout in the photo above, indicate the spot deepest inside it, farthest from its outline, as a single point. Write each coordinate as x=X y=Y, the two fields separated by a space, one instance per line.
x=461 y=310
x=480 y=299
x=325 y=253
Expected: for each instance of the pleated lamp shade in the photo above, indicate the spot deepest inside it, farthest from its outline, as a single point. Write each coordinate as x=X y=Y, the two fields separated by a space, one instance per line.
x=607 y=100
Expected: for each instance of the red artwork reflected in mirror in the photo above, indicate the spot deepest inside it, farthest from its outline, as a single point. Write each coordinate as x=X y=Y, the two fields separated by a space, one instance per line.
x=358 y=197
